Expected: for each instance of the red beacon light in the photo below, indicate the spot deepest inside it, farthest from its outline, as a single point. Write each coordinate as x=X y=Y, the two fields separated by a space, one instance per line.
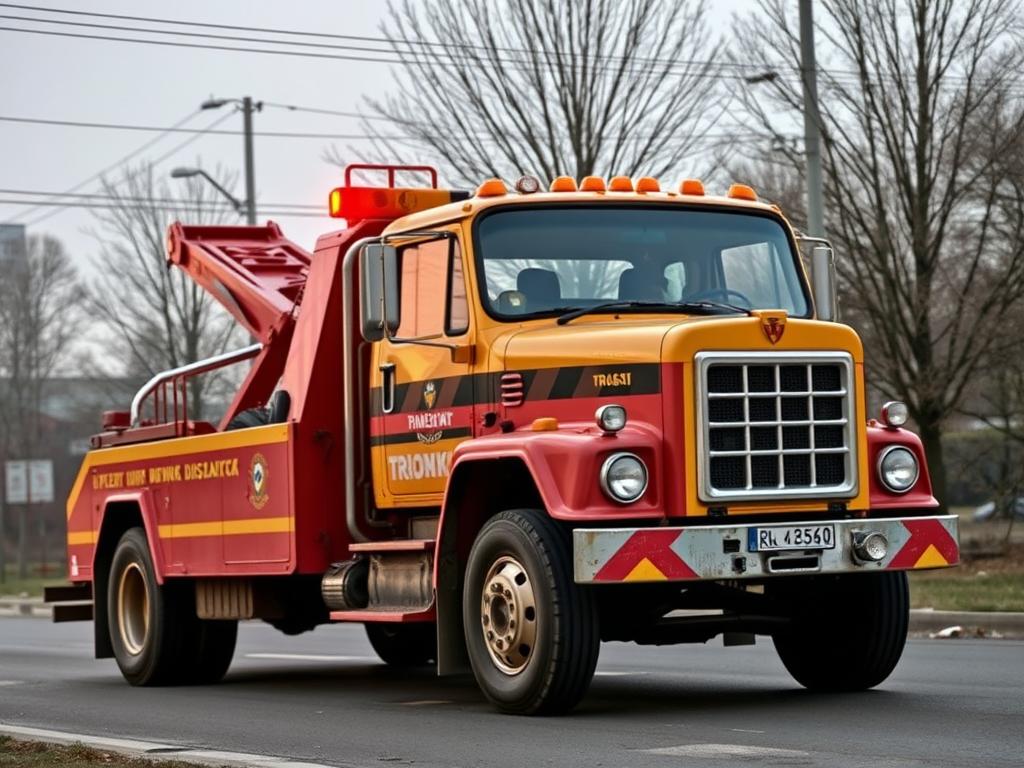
x=359 y=203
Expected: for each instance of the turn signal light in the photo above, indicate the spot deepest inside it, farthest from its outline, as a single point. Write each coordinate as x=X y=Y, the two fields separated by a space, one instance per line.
x=742 y=192
x=492 y=188
x=361 y=203
x=563 y=184
x=691 y=187
x=620 y=184
x=647 y=184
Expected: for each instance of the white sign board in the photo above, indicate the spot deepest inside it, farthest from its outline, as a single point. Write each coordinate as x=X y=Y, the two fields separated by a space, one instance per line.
x=29 y=480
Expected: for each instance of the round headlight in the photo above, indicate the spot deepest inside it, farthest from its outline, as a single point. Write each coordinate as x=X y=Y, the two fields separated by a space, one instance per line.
x=610 y=418
x=895 y=413
x=898 y=469
x=624 y=477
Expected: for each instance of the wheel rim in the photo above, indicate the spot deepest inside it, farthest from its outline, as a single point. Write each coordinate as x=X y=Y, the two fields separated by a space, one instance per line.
x=133 y=609
x=508 y=615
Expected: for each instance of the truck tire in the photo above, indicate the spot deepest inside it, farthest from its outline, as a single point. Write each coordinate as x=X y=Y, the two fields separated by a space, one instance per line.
x=847 y=632
x=532 y=634
x=156 y=635
x=404 y=645
x=253 y=417
x=144 y=619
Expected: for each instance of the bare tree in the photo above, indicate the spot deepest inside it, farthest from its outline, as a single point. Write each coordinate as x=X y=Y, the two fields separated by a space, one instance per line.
x=917 y=112
x=549 y=87
x=157 y=317
x=40 y=318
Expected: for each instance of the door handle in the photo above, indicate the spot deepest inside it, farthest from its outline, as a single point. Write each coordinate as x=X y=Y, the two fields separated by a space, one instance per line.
x=387 y=387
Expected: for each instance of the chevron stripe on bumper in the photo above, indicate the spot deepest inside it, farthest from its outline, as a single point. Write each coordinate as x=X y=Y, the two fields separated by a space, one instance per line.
x=710 y=552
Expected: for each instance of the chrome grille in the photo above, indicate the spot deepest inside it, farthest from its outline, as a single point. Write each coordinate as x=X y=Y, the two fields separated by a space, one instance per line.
x=775 y=425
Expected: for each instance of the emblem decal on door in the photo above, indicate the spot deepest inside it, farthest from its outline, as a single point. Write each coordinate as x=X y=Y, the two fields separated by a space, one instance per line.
x=258 y=476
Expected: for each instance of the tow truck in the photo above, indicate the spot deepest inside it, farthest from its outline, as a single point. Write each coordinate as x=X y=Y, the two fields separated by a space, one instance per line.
x=499 y=429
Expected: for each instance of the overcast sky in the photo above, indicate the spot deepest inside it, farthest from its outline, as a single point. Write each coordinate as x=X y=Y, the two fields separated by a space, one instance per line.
x=59 y=78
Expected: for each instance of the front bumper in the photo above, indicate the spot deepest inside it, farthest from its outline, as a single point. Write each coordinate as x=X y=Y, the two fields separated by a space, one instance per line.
x=715 y=552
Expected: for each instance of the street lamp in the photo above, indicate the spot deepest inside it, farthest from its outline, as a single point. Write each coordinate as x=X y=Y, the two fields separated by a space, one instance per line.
x=247 y=106
x=185 y=173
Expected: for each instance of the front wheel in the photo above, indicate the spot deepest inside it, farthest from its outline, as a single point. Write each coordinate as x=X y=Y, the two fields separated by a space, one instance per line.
x=532 y=634
x=847 y=632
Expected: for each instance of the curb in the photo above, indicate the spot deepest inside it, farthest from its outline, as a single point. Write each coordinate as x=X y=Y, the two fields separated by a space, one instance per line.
x=24 y=606
x=1004 y=623
x=155 y=751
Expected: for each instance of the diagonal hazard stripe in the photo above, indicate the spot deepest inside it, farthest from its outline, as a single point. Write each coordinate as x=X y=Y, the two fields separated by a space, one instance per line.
x=652 y=546
x=929 y=541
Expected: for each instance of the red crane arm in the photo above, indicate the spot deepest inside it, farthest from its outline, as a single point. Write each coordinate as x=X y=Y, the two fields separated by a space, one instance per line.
x=254 y=272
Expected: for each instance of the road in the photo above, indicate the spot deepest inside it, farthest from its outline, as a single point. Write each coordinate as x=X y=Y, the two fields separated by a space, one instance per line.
x=323 y=697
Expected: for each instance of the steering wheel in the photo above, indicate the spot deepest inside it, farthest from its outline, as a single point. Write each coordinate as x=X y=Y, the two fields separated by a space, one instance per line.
x=721 y=294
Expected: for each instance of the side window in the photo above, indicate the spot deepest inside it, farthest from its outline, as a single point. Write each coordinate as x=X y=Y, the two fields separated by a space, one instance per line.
x=426 y=273
x=458 y=304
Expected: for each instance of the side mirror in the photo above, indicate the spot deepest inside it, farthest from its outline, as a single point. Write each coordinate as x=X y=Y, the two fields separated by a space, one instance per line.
x=378 y=291
x=823 y=270
x=392 y=292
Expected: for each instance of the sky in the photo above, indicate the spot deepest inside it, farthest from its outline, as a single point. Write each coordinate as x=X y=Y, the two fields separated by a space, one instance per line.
x=57 y=78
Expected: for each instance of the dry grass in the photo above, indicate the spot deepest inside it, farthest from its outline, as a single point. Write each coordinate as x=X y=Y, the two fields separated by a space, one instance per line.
x=15 y=753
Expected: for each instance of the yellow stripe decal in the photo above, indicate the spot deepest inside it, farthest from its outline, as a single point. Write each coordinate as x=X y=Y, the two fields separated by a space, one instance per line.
x=82 y=537
x=227 y=527
x=181 y=446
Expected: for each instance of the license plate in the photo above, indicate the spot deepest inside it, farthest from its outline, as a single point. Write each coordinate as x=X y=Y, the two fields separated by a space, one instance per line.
x=791 y=537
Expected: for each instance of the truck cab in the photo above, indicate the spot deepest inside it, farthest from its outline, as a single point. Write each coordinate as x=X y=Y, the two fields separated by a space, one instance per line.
x=501 y=428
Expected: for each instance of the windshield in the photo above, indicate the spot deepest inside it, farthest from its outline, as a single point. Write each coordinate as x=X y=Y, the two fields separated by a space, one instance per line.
x=551 y=260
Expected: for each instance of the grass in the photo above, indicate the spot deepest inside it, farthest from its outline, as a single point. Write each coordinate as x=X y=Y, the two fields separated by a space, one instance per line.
x=979 y=583
x=32 y=586
x=15 y=753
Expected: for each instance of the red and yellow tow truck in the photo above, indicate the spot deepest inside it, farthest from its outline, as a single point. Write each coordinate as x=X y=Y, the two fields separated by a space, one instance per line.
x=498 y=429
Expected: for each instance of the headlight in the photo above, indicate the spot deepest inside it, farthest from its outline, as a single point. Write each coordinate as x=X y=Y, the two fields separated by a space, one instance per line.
x=624 y=477
x=898 y=469
x=610 y=418
x=895 y=413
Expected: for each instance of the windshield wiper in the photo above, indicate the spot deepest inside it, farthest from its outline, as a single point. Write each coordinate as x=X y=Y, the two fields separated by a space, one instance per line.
x=702 y=307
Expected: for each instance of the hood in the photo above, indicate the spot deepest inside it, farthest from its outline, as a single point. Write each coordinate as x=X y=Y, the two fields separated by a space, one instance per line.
x=662 y=339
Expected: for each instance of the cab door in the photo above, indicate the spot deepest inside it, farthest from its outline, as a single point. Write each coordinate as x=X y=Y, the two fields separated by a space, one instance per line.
x=427 y=397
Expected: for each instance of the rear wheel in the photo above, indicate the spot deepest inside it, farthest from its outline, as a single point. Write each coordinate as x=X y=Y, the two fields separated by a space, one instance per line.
x=847 y=632
x=404 y=645
x=156 y=636
x=531 y=632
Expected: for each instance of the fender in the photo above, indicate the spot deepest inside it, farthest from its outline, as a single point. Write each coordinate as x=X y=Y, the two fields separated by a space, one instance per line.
x=918 y=497
x=143 y=499
x=554 y=469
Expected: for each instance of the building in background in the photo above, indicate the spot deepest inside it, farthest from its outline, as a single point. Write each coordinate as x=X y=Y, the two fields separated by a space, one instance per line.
x=13 y=249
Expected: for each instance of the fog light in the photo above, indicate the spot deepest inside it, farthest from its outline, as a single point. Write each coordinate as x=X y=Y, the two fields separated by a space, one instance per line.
x=897 y=468
x=870 y=546
x=610 y=418
x=624 y=477
x=895 y=413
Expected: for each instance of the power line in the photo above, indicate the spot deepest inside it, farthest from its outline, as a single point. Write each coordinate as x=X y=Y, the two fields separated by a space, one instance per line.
x=443 y=60
x=100 y=174
x=302 y=135
x=357 y=38
x=184 y=206
x=134 y=153
x=130 y=198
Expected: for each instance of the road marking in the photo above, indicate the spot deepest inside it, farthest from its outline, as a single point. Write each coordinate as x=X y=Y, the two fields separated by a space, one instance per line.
x=4 y=683
x=744 y=730
x=307 y=657
x=604 y=673
x=724 y=751
x=156 y=751
x=424 y=703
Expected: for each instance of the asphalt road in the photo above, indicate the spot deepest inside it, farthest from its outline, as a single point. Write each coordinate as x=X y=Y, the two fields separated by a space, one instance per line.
x=323 y=697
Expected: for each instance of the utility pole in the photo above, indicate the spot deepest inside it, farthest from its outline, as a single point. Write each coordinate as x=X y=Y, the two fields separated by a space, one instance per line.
x=248 y=106
x=250 y=178
x=812 y=123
